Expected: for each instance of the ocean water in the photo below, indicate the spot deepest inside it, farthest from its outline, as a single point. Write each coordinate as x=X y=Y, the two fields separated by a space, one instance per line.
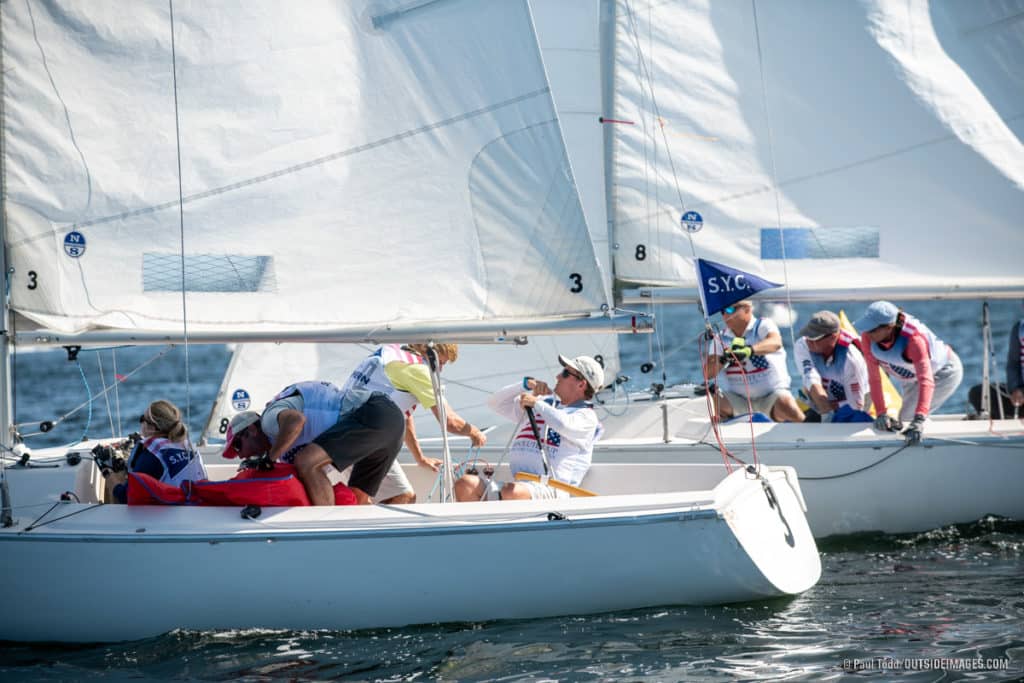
x=886 y=608
x=947 y=604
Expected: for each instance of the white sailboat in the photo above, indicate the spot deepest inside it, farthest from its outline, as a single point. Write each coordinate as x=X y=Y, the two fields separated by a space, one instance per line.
x=232 y=173
x=819 y=151
x=854 y=152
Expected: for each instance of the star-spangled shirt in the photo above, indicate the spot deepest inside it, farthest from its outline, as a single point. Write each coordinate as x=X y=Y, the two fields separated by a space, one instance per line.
x=844 y=376
x=569 y=432
x=764 y=373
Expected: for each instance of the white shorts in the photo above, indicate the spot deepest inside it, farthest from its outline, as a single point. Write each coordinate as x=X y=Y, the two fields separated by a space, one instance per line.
x=395 y=482
x=537 y=490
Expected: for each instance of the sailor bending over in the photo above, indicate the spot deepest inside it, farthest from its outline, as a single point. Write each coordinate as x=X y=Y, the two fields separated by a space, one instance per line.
x=317 y=424
x=924 y=367
x=835 y=374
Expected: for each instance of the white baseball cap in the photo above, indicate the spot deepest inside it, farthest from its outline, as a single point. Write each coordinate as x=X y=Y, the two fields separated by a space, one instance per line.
x=588 y=368
x=238 y=423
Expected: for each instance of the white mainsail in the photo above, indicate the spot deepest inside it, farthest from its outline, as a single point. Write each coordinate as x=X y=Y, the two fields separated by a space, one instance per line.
x=846 y=149
x=572 y=62
x=347 y=165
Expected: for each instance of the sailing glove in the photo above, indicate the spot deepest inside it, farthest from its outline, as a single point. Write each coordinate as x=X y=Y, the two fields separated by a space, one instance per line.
x=738 y=351
x=915 y=431
x=887 y=423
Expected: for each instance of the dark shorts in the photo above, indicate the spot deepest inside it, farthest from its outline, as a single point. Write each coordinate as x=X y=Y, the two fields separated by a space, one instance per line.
x=367 y=439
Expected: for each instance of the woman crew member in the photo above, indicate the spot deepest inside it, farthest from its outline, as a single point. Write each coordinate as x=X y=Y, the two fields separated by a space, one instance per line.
x=165 y=452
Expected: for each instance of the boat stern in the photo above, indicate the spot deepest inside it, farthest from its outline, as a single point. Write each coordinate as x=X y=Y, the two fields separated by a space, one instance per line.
x=765 y=510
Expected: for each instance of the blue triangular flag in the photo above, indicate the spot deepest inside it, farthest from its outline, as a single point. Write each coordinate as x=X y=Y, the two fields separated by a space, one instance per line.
x=721 y=285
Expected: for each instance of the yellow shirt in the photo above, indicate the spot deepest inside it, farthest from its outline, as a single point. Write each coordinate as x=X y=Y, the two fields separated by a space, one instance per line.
x=413 y=378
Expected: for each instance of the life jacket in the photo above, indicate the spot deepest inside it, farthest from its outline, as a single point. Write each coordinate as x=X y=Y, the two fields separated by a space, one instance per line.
x=894 y=359
x=764 y=373
x=832 y=373
x=278 y=487
x=321 y=407
x=181 y=462
x=370 y=375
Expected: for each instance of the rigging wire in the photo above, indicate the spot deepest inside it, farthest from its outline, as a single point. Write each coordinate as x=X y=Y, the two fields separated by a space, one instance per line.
x=88 y=392
x=181 y=219
x=607 y=406
x=709 y=398
x=117 y=392
x=647 y=87
x=648 y=80
x=507 y=449
x=775 y=174
x=37 y=523
x=716 y=424
x=861 y=469
x=91 y=398
x=106 y=396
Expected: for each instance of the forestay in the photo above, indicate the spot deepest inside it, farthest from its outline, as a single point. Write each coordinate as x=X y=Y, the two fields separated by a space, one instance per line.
x=882 y=139
x=352 y=164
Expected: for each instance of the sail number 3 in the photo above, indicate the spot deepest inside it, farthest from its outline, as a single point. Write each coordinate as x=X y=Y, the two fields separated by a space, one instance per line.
x=577 y=283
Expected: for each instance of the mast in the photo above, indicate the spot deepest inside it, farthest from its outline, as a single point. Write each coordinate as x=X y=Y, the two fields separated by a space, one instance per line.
x=6 y=339
x=6 y=394
x=6 y=416
x=606 y=41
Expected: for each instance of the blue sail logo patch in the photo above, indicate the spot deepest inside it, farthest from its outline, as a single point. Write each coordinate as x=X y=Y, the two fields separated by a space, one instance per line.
x=240 y=399
x=692 y=221
x=74 y=244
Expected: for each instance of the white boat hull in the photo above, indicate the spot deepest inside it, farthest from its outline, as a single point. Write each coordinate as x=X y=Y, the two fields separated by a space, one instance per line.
x=113 y=572
x=854 y=478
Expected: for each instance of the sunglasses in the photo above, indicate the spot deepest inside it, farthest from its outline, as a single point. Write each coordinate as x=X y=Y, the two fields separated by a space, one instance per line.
x=729 y=310
x=567 y=374
x=236 y=443
x=145 y=420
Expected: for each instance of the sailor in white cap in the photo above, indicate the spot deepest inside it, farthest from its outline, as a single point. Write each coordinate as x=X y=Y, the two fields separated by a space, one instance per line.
x=567 y=426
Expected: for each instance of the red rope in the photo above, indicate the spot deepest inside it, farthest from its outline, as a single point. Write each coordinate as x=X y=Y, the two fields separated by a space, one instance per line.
x=709 y=400
x=716 y=418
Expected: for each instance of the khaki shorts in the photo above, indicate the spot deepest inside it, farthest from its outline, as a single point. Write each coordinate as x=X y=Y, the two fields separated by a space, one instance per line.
x=761 y=404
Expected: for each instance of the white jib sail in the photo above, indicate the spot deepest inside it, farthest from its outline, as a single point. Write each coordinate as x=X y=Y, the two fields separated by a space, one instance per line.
x=869 y=144
x=342 y=164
